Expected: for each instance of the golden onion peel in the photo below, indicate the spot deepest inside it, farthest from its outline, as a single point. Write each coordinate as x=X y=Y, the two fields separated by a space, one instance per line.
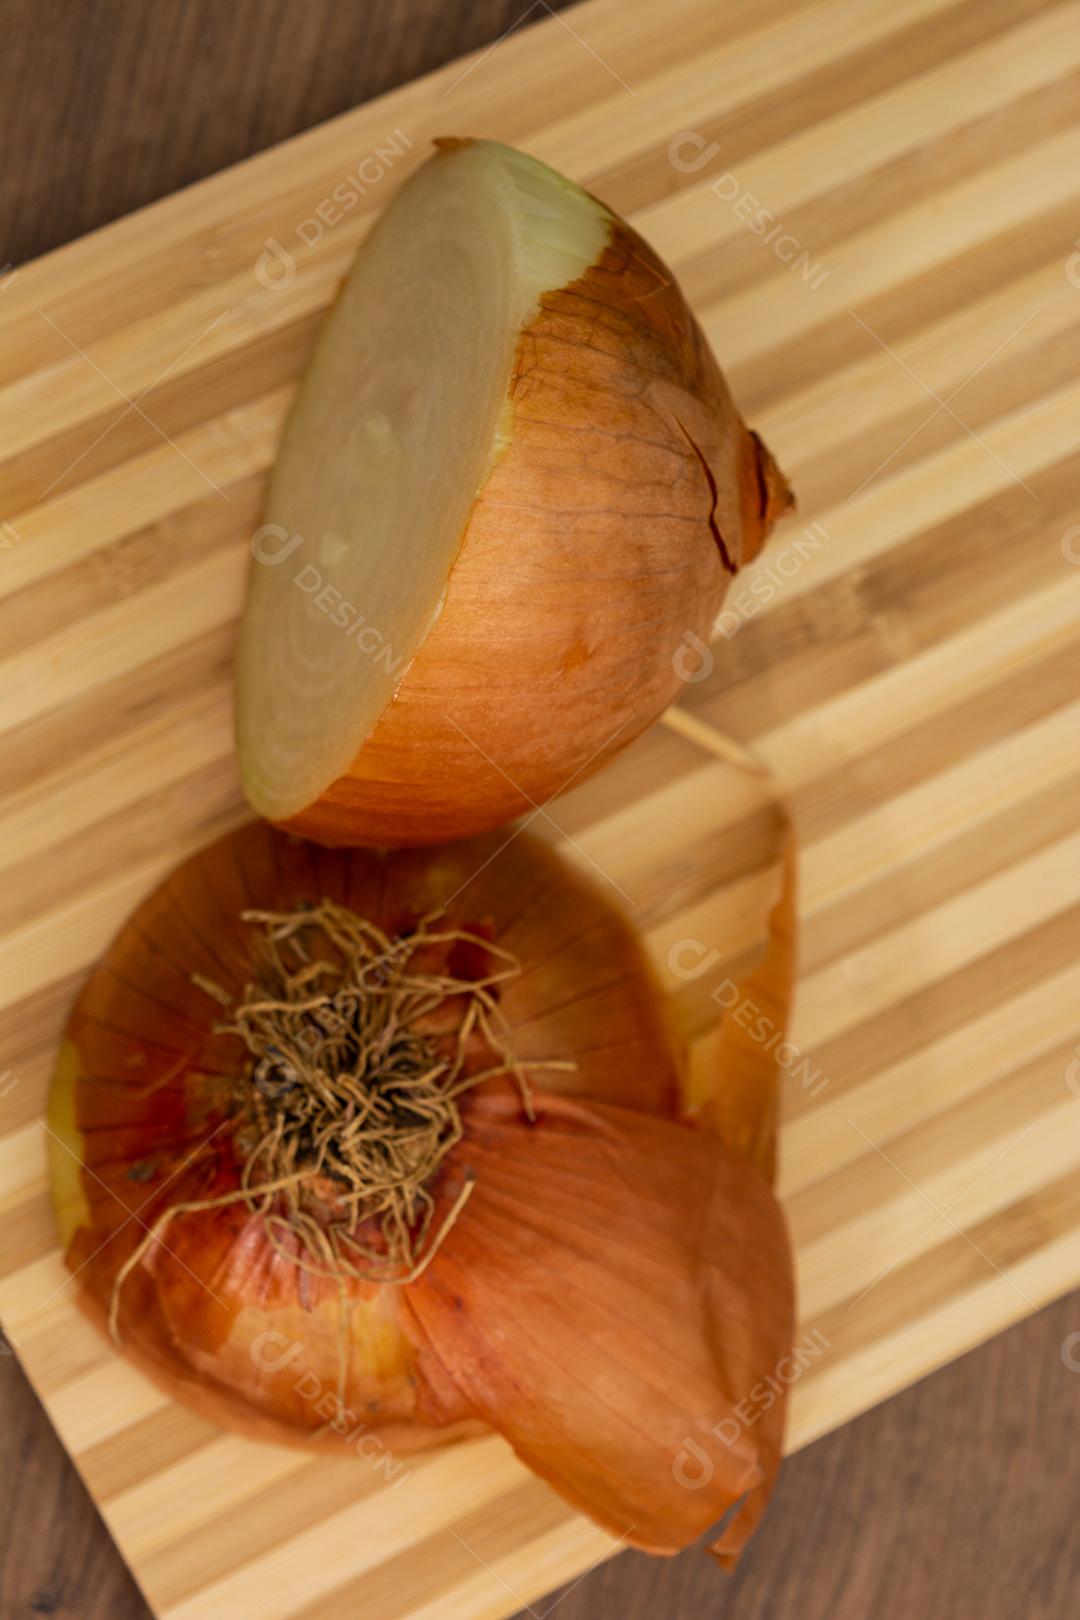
x=511 y=495
x=614 y=1279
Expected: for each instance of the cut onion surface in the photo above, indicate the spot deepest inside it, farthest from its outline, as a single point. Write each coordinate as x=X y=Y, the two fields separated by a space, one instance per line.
x=508 y=502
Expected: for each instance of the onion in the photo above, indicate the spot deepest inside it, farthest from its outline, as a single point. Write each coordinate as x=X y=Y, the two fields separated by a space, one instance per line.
x=512 y=492
x=563 y=1257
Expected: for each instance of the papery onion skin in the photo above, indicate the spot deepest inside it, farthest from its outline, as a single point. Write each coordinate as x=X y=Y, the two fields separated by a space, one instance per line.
x=586 y=993
x=592 y=566
x=670 y=1243
x=743 y=1109
x=743 y=1112
x=618 y=1380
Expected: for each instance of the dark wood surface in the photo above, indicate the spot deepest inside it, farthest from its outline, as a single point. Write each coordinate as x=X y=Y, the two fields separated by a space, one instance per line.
x=956 y=1500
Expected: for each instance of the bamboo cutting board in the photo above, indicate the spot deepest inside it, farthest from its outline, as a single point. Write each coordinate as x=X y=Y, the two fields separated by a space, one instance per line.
x=873 y=207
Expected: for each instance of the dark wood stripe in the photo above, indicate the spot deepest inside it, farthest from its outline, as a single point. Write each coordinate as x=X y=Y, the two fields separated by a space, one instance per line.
x=1001 y=1110
x=854 y=79
x=791 y=661
x=921 y=1285
x=943 y=1007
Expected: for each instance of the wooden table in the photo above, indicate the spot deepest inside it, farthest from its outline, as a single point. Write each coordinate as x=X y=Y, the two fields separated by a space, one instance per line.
x=951 y=1500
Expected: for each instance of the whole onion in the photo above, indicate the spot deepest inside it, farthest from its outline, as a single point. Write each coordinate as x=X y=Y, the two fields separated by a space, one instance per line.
x=411 y=1123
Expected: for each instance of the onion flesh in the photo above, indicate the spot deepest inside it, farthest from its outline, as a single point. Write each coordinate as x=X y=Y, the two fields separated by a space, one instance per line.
x=510 y=497
x=403 y=416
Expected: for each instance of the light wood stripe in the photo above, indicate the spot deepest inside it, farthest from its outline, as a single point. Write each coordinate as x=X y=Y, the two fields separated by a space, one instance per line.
x=924 y=1341
x=851 y=145
x=363 y=1534
x=943 y=355
x=940 y=1074
x=911 y=685
x=894 y=966
x=963 y=666
x=908 y=1225
x=689 y=94
x=65 y=528
x=919 y=241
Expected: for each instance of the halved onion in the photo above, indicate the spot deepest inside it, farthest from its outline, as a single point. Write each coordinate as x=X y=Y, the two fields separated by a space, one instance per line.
x=605 y=1281
x=511 y=494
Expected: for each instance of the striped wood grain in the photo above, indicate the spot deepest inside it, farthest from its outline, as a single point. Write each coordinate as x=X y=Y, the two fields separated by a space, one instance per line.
x=908 y=672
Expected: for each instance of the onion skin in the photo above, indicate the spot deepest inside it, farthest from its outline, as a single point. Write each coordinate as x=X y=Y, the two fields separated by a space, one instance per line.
x=744 y=1108
x=629 y=495
x=606 y=1384
x=140 y=1023
x=743 y=1112
x=667 y=1239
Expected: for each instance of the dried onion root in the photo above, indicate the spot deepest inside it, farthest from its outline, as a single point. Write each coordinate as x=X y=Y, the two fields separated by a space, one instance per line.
x=413 y=1120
